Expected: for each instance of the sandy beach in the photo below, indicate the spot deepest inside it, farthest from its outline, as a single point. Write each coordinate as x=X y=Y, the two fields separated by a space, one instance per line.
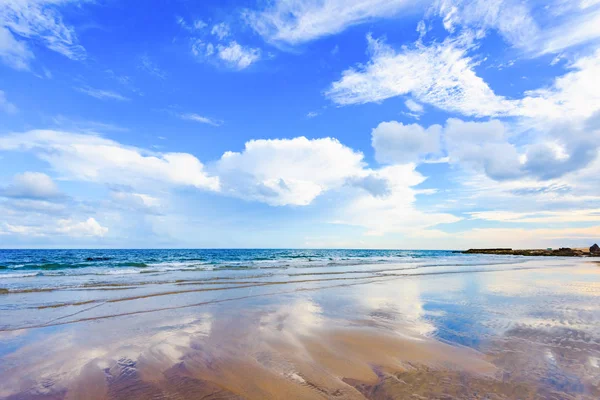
x=501 y=328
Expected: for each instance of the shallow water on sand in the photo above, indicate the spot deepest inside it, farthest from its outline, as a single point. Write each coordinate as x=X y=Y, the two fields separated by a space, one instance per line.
x=344 y=326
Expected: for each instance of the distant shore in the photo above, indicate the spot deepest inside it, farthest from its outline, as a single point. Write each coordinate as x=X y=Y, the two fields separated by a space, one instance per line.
x=561 y=252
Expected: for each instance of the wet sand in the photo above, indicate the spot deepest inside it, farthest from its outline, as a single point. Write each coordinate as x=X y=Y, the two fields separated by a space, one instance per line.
x=524 y=330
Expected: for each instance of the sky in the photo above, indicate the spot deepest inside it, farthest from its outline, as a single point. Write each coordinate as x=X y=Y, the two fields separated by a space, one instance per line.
x=423 y=124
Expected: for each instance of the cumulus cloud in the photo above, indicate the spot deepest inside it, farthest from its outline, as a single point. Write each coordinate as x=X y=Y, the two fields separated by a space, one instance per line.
x=394 y=210
x=31 y=185
x=288 y=171
x=89 y=227
x=482 y=146
x=39 y=21
x=218 y=47
x=396 y=143
x=96 y=159
x=220 y=30
x=297 y=21
x=489 y=147
x=231 y=54
x=237 y=56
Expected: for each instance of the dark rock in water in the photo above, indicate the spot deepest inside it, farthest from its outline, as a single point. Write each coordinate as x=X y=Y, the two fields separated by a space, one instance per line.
x=3 y=291
x=595 y=249
x=562 y=252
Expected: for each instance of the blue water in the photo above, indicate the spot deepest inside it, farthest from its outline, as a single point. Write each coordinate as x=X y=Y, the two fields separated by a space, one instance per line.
x=16 y=263
x=32 y=269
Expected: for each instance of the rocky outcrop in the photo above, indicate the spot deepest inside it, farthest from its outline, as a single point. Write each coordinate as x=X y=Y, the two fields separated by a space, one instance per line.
x=562 y=252
x=595 y=250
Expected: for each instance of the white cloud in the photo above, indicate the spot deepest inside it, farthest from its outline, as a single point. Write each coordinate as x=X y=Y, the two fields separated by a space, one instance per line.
x=90 y=227
x=489 y=147
x=297 y=171
x=441 y=75
x=67 y=227
x=414 y=107
x=137 y=201
x=558 y=26
x=31 y=185
x=288 y=171
x=6 y=105
x=237 y=56
x=232 y=54
x=13 y=52
x=196 y=25
x=199 y=118
x=572 y=96
x=394 y=211
x=102 y=94
x=312 y=114
x=511 y=18
x=220 y=30
x=96 y=159
x=297 y=21
x=539 y=217
x=581 y=28
x=482 y=146
x=39 y=21
x=396 y=143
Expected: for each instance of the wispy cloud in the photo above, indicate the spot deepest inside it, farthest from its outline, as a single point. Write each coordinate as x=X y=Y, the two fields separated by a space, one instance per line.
x=102 y=94
x=150 y=67
x=39 y=21
x=13 y=52
x=196 y=25
x=441 y=74
x=83 y=125
x=5 y=105
x=298 y=21
x=199 y=118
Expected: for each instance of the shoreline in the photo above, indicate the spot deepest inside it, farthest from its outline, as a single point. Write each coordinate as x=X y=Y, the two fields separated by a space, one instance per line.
x=440 y=326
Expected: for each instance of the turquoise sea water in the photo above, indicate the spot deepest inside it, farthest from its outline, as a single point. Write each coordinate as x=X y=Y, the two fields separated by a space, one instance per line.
x=41 y=268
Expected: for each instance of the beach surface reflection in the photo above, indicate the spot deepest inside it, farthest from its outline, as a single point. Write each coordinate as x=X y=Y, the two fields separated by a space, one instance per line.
x=521 y=330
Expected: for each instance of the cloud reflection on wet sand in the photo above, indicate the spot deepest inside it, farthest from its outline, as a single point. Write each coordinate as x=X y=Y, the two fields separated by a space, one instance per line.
x=381 y=340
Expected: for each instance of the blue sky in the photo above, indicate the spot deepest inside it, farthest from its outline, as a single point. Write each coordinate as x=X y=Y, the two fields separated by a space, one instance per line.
x=287 y=123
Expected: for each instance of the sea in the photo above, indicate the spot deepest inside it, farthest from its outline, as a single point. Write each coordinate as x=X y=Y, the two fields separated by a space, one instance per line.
x=49 y=269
